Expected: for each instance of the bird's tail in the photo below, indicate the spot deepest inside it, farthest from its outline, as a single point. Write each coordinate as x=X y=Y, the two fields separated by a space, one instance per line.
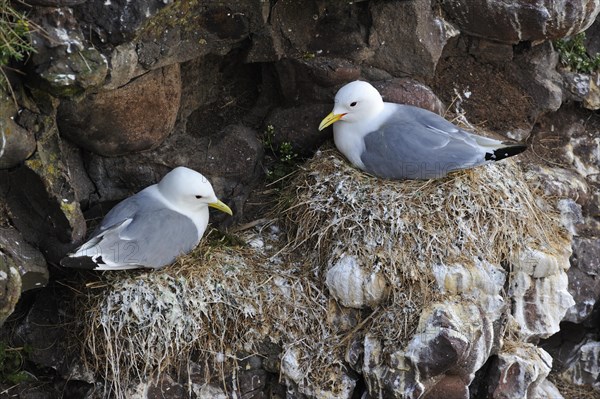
x=78 y=262
x=505 y=152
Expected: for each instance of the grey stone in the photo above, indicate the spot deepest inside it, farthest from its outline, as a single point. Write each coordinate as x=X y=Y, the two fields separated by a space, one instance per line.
x=311 y=28
x=583 y=88
x=266 y=46
x=584 y=278
x=117 y=21
x=558 y=182
x=412 y=92
x=16 y=143
x=490 y=51
x=123 y=66
x=389 y=375
x=513 y=22
x=592 y=38
x=39 y=194
x=230 y=159
x=85 y=191
x=518 y=373
x=585 y=369
x=316 y=80
x=63 y=63
x=297 y=125
x=29 y=261
x=10 y=286
x=55 y=3
x=165 y=388
x=184 y=31
x=585 y=289
x=586 y=255
x=453 y=339
x=538 y=77
x=43 y=330
x=407 y=37
x=142 y=114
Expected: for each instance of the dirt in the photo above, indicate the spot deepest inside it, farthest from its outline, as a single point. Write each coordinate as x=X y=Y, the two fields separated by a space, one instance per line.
x=496 y=101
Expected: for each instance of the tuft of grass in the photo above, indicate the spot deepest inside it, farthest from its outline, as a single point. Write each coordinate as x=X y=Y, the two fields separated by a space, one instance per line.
x=286 y=158
x=574 y=55
x=15 y=43
x=11 y=365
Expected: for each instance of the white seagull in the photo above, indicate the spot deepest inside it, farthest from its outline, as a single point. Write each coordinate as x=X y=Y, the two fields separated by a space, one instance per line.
x=396 y=141
x=153 y=227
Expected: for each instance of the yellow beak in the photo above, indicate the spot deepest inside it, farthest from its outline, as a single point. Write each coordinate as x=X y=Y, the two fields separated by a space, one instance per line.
x=330 y=119
x=221 y=206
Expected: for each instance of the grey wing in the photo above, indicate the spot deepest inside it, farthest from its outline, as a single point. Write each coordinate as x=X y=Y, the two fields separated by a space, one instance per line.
x=417 y=144
x=127 y=209
x=154 y=239
x=140 y=231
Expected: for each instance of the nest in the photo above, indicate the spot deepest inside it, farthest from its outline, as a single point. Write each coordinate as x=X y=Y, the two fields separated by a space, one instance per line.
x=223 y=301
x=404 y=228
x=212 y=307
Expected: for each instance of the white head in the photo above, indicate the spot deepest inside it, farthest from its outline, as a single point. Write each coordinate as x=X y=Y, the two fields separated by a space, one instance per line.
x=356 y=101
x=190 y=190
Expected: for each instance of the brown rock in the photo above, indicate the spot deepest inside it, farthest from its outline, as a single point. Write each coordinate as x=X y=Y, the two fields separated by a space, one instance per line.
x=303 y=81
x=311 y=28
x=412 y=92
x=490 y=51
x=517 y=21
x=449 y=387
x=408 y=38
x=133 y=118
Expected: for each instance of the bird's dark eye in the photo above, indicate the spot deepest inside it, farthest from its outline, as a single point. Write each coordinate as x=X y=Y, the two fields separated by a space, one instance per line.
x=353 y=104
x=198 y=196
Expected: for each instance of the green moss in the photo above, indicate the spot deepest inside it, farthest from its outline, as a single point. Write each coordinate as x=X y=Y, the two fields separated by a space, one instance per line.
x=574 y=55
x=69 y=209
x=180 y=14
x=11 y=364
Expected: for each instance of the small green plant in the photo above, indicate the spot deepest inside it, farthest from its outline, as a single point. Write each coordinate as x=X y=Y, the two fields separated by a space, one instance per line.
x=11 y=364
x=284 y=154
x=15 y=44
x=574 y=55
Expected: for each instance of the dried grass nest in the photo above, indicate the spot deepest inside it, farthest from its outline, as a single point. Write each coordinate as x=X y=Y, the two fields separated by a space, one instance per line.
x=221 y=301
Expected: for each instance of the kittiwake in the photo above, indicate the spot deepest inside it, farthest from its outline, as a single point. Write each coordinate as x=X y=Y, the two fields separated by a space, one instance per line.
x=153 y=227
x=397 y=141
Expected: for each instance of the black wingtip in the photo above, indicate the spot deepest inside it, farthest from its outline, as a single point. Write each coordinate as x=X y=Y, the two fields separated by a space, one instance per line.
x=80 y=262
x=505 y=152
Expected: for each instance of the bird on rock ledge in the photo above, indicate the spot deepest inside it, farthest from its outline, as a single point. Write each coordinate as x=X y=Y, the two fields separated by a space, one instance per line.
x=153 y=227
x=396 y=141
